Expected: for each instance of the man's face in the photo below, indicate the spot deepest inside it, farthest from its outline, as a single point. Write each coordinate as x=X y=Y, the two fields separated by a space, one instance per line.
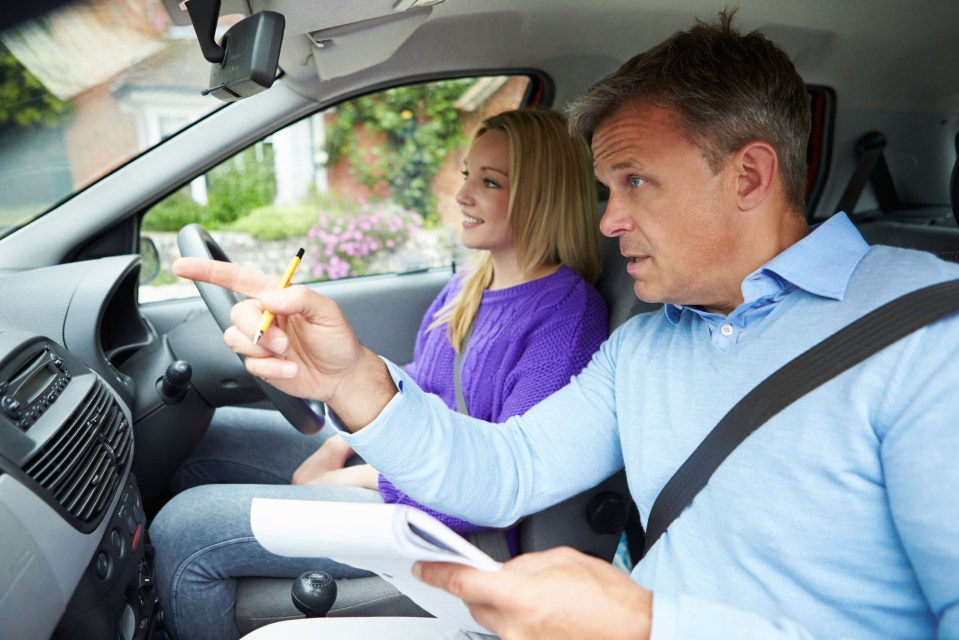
x=676 y=221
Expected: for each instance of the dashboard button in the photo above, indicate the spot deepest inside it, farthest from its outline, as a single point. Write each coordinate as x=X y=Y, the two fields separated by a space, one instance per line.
x=10 y=406
x=103 y=565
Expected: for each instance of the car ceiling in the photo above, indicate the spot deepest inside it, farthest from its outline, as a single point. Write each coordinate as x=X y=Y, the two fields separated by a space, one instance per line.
x=855 y=46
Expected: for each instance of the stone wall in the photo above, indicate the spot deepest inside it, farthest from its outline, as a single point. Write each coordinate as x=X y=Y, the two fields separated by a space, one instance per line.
x=430 y=248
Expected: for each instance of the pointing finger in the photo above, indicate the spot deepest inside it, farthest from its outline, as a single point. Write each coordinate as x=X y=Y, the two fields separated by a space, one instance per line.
x=225 y=274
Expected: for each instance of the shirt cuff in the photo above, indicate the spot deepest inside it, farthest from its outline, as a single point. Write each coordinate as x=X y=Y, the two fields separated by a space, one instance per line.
x=400 y=379
x=663 y=623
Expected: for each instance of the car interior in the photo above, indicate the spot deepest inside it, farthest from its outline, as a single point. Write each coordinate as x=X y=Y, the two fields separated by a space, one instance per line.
x=134 y=129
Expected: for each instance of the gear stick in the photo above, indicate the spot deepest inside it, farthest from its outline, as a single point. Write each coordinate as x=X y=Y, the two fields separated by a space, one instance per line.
x=314 y=593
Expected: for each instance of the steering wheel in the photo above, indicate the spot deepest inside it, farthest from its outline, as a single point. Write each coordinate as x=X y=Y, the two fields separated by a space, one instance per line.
x=194 y=241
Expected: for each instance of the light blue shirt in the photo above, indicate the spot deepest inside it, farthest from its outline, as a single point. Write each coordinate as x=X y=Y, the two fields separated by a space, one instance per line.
x=839 y=517
x=779 y=277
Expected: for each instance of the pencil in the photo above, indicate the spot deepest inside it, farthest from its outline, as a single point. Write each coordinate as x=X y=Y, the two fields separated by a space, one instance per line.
x=267 y=318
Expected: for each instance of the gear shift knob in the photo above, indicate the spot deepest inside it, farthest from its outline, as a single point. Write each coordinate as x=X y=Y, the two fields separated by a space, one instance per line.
x=175 y=382
x=314 y=593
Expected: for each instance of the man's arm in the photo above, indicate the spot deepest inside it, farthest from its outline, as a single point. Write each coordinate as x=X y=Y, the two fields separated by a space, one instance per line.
x=310 y=351
x=919 y=452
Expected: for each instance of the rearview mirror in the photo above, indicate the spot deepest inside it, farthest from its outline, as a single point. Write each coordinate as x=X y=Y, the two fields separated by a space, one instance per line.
x=245 y=60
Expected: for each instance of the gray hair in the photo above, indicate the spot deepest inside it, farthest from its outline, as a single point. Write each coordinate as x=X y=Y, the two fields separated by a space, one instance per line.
x=726 y=88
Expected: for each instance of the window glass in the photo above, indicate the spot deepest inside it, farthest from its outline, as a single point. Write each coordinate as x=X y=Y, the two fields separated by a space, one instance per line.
x=366 y=188
x=86 y=88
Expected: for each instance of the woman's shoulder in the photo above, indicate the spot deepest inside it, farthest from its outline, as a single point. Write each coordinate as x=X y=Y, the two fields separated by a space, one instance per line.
x=574 y=289
x=566 y=297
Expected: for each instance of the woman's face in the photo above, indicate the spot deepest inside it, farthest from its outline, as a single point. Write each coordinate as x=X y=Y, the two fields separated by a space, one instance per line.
x=484 y=196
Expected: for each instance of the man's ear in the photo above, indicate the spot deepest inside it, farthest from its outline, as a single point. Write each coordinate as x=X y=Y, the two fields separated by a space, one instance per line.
x=756 y=169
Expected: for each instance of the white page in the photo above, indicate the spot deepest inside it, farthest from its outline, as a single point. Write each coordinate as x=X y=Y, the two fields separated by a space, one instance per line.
x=376 y=537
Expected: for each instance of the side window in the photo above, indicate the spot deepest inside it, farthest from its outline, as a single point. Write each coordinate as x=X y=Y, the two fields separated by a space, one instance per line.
x=367 y=187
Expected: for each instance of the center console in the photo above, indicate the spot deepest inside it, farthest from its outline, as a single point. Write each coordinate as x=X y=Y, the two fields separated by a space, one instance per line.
x=75 y=562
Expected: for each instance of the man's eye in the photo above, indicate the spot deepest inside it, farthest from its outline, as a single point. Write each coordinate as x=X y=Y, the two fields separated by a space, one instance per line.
x=635 y=182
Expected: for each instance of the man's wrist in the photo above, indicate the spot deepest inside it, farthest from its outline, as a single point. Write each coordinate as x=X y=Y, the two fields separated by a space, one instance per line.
x=361 y=395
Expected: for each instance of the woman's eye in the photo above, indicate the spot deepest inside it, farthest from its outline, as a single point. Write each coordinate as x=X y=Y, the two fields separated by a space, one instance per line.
x=635 y=182
x=492 y=184
x=466 y=174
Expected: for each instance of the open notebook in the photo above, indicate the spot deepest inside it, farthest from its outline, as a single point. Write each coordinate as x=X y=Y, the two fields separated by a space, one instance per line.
x=383 y=538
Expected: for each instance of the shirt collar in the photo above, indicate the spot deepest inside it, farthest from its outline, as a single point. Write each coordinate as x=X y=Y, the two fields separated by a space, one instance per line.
x=822 y=263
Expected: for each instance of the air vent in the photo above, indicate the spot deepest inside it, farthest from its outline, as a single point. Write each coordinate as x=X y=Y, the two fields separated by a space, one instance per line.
x=82 y=464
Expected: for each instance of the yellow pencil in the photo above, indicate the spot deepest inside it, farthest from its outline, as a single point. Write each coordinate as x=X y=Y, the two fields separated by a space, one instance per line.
x=267 y=318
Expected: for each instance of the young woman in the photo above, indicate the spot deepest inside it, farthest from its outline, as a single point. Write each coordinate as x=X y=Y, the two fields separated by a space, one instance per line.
x=524 y=318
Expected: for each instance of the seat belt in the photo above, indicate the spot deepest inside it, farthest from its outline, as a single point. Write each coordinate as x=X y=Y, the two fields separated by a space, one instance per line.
x=457 y=367
x=837 y=353
x=870 y=166
x=493 y=543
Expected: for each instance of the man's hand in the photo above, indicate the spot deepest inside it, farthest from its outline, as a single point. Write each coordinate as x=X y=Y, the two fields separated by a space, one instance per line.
x=310 y=351
x=559 y=593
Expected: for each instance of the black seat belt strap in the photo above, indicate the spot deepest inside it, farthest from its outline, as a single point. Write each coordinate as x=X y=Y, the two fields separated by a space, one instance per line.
x=837 y=353
x=870 y=166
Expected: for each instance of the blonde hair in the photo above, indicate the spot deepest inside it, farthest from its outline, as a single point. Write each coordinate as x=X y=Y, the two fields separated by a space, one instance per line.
x=551 y=212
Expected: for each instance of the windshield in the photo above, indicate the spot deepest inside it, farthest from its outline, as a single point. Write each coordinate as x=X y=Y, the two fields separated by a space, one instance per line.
x=85 y=89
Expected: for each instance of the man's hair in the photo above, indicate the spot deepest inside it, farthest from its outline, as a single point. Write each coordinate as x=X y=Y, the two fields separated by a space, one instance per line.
x=726 y=88
x=552 y=208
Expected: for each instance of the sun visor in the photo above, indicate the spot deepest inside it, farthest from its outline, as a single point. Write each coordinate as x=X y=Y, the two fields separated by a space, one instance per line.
x=342 y=50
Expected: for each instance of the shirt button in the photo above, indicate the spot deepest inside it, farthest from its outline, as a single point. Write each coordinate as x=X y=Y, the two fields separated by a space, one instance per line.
x=726 y=329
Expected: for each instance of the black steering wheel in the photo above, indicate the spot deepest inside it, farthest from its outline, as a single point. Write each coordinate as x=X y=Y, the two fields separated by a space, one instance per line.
x=194 y=241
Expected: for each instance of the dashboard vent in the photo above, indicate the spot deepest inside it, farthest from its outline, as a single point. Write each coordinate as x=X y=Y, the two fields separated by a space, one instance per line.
x=83 y=463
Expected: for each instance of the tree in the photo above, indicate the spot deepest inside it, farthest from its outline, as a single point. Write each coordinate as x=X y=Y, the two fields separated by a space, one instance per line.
x=24 y=101
x=418 y=126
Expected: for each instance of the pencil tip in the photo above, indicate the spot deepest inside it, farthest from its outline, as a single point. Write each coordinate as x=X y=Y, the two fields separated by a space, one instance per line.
x=299 y=254
x=257 y=336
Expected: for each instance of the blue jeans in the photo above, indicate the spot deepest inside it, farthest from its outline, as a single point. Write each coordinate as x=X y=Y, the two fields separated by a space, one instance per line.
x=203 y=538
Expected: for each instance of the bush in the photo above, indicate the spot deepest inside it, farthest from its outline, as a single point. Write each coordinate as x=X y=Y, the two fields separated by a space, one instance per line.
x=277 y=222
x=240 y=185
x=173 y=212
x=346 y=241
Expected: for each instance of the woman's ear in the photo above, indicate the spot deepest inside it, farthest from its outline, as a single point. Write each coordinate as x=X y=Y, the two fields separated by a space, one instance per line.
x=756 y=168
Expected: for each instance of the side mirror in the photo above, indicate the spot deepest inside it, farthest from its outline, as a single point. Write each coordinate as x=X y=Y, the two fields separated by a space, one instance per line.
x=149 y=260
x=245 y=61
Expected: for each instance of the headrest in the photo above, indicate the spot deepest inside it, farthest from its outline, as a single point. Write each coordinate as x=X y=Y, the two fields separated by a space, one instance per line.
x=954 y=189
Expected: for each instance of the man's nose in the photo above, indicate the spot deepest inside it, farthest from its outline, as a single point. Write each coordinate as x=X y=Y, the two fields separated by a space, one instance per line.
x=615 y=220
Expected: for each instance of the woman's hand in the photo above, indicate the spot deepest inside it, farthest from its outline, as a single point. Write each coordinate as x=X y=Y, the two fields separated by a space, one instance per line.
x=363 y=476
x=310 y=351
x=332 y=455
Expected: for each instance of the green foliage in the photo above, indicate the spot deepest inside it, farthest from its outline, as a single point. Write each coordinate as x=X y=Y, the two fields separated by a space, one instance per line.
x=239 y=185
x=235 y=188
x=173 y=212
x=277 y=221
x=24 y=101
x=416 y=126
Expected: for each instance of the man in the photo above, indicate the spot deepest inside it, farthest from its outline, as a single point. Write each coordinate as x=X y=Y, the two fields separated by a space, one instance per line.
x=835 y=518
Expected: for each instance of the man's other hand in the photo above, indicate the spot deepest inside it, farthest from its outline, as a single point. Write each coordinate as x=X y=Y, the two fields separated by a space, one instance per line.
x=560 y=593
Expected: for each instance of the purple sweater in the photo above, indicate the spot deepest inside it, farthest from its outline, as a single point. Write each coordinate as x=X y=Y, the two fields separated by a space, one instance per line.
x=527 y=342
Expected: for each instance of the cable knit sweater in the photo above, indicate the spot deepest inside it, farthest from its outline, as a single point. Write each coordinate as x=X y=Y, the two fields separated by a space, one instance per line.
x=527 y=342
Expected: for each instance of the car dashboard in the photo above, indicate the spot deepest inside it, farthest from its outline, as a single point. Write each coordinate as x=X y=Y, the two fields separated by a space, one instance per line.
x=75 y=560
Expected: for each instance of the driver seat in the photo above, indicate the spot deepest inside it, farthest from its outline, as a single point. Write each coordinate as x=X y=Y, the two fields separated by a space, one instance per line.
x=591 y=522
